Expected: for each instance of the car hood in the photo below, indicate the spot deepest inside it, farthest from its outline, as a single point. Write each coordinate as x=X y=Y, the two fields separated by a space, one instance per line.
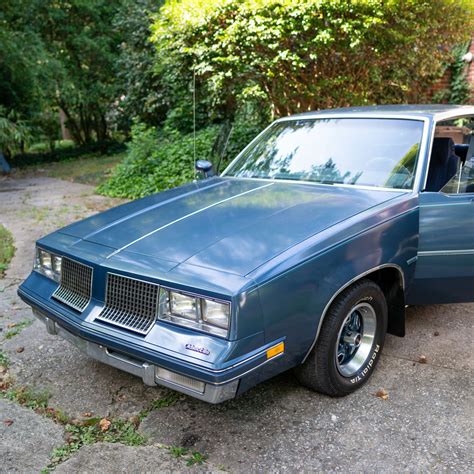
x=226 y=224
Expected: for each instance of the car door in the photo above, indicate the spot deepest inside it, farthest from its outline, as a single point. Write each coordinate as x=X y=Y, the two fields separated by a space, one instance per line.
x=445 y=263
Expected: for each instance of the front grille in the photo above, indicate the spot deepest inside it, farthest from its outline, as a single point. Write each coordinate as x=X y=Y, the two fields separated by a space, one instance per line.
x=130 y=303
x=76 y=284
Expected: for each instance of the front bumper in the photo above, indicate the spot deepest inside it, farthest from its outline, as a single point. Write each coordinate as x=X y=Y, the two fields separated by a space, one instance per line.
x=149 y=373
x=157 y=364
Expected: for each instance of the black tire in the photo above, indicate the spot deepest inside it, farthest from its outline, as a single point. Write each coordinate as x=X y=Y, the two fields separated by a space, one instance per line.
x=322 y=371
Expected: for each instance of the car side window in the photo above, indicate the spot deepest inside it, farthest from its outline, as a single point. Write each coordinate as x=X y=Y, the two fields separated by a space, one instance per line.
x=462 y=182
x=451 y=168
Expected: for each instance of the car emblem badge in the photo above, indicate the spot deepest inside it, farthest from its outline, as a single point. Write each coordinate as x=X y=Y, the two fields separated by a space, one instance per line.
x=201 y=350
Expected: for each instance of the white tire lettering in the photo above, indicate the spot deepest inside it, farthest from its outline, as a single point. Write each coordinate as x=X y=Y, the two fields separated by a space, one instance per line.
x=369 y=365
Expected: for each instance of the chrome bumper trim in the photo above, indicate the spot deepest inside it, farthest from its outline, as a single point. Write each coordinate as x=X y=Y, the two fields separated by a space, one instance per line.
x=212 y=393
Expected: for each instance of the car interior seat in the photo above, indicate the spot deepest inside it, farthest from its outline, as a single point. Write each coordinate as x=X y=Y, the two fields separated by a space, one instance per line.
x=461 y=151
x=443 y=164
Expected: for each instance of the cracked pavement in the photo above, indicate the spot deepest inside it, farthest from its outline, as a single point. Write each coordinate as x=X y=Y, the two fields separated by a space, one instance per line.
x=427 y=423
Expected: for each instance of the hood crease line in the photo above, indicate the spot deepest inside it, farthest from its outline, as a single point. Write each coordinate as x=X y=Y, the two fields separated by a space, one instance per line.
x=185 y=217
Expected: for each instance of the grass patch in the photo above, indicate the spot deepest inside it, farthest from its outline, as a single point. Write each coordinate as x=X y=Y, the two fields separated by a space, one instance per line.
x=192 y=458
x=89 y=432
x=4 y=362
x=92 y=168
x=16 y=328
x=7 y=249
x=34 y=399
x=168 y=400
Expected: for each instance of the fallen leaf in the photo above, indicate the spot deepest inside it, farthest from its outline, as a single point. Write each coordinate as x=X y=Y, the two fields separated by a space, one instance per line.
x=382 y=393
x=90 y=421
x=11 y=325
x=422 y=359
x=134 y=420
x=104 y=424
x=8 y=422
x=20 y=349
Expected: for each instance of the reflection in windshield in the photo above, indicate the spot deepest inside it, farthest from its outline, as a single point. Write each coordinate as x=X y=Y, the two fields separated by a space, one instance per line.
x=369 y=152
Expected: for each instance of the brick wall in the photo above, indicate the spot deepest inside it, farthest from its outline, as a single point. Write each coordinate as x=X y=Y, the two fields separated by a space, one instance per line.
x=470 y=71
x=444 y=83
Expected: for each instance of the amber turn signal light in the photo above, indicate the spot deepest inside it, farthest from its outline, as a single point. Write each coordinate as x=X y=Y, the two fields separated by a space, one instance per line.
x=275 y=350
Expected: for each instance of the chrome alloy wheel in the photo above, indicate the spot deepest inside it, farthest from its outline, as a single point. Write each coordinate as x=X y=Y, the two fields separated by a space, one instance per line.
x=355 y=339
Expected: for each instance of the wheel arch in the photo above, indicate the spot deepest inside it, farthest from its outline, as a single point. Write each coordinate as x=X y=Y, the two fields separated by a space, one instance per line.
x=391 y=279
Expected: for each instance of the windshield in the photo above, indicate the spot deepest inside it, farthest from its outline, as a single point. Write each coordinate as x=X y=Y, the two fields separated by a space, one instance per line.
x=368 y=152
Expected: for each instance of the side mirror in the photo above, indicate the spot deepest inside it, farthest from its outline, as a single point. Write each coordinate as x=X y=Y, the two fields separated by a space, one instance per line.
x=204 y=167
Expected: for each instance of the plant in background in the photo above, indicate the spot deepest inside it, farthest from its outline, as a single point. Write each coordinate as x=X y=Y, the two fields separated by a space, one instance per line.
x=15 y=133
x=158 y=160
x=459 y=86
x=141 y=98
x=307 y=55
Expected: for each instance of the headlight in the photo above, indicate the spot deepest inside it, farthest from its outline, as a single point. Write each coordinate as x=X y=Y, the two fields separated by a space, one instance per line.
x=215 y=313
x=183 y=306
x=48 y=264
x=192 y=311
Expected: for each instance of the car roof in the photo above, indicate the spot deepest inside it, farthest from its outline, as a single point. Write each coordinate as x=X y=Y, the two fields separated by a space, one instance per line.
x=430 y=111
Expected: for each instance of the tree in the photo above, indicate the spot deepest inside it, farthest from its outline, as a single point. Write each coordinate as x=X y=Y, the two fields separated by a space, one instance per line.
x=24 y=72
x=80 y=38
x=297 y=56
x=15 y=133
x=141 y=98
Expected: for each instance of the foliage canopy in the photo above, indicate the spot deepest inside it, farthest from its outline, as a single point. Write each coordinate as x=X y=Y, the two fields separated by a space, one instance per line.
x=306 y=55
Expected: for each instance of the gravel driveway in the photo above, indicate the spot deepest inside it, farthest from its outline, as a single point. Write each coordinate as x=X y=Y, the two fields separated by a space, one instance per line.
x=425 y=424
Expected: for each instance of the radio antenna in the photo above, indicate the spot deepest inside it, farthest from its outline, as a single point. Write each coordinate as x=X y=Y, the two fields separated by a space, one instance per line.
x=194 y=120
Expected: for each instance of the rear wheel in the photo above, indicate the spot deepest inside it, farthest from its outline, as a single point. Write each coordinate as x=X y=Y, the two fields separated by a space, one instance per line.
x=350 y=341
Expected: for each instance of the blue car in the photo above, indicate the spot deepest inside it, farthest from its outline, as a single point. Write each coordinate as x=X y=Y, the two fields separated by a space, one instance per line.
x=301 y=255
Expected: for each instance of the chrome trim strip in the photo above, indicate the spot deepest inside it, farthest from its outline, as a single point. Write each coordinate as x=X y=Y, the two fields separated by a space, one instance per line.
x=451 y=196
x=355 y=115
x=432 y=253
x=442 y=117
x=349 y=283
x=118 y=324
x=214 y=371
x=255 y=356
x=461 y=112
x=56 y=294
x=423 y=155
x=185 y=217
x=458 y=112
x=348 y=115
x=251 y=370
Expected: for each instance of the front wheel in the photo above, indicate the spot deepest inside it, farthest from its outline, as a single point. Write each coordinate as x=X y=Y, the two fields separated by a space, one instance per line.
x=350 y=341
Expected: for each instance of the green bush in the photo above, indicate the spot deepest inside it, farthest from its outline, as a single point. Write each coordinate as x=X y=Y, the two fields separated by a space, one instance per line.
x=293 y=57
x=158 y=160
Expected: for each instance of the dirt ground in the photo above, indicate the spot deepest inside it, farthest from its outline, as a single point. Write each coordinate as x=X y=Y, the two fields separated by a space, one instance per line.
x=426 y=424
